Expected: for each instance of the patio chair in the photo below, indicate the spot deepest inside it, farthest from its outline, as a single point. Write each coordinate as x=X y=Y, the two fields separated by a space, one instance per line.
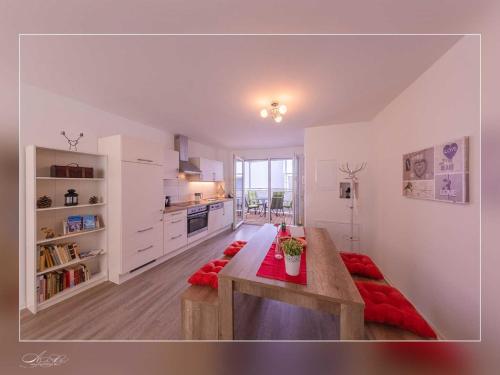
x=252 y=201
x=288 y=205
x=277 y=203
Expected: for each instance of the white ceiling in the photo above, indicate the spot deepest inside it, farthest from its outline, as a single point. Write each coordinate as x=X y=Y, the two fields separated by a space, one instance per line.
x=211 y=88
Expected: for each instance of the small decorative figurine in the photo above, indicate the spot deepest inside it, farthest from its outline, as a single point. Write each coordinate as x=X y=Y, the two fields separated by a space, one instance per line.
x=48 y=232
x=44 y=202
x=93 y=200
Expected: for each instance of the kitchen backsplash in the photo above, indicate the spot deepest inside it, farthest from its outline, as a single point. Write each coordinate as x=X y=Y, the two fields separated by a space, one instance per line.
x=182 y=190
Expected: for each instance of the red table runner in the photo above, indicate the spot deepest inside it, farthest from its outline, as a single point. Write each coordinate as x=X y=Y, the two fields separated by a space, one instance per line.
x=273 y=268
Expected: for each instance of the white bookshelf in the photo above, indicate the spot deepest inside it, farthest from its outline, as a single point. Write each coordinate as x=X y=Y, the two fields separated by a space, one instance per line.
x=39 y=183
x=69 y=207
x=69 y=235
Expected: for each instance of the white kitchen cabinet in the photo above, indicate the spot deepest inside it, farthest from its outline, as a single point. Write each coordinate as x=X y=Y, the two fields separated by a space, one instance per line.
x=227 y=216
x=218 y=170
x=135 y=204
x=141 y=248
x=175 y=231
x=141 y=196
x=140 y=151
x=171 y=165
x=211 y=170
x=215 y=220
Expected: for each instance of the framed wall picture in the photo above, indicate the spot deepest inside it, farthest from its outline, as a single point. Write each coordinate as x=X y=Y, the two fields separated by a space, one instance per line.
x=438 y=173
x=326 y=174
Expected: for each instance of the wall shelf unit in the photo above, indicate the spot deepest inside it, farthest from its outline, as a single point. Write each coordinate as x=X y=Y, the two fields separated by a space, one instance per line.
x=40 y=183
x=69 y=235
x=68 y=207
x=76 y=261
x=70 y=178
x=65 y=294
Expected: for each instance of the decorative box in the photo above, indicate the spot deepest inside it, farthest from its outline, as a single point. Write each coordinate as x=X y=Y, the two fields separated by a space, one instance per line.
x=71 y=171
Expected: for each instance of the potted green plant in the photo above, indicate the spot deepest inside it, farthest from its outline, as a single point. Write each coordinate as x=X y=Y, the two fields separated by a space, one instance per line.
x=293 y=251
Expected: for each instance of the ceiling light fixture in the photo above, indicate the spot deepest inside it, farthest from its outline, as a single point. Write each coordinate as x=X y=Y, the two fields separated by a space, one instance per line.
x=276 y=111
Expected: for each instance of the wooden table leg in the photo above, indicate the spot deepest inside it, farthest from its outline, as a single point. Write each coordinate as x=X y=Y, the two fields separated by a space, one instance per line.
x=352 y=322
x=226 y=321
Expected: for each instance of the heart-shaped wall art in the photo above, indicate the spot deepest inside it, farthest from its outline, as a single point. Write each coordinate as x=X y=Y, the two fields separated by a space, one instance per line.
x=450 y=150
x=419 y=167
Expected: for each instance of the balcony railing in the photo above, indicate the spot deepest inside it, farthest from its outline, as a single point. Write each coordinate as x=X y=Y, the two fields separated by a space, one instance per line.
x=262 y=193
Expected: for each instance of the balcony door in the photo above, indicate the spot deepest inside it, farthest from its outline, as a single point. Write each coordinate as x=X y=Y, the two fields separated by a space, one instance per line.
x=282 y=201
x=239 y=192
x=270 y=193
x=256 y=191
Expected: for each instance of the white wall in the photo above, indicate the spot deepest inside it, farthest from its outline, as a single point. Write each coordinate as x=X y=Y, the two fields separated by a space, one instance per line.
x=45 y=114
x=438 y=242
x=429 y=250
x=346 y=143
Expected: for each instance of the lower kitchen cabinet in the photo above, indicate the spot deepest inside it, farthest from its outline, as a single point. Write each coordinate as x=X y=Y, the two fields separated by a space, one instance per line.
x=142 y=247
x=227 y=216
x=215 y=220
x=220 y=218
x=175 y=231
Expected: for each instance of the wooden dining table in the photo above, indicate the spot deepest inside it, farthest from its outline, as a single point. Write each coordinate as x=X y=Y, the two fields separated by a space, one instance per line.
x=330 y=288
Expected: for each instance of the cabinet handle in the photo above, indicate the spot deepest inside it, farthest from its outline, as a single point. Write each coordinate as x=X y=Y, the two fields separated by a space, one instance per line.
x=149 y=161
x=144 y=230
x=146 y=248
x=177 y=221
x=174 y=237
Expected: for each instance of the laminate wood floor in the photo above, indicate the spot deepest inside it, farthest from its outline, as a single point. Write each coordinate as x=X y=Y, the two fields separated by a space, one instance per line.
x=147 y=307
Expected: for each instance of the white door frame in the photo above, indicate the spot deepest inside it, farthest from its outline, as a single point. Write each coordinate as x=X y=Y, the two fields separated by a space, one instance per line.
x=236 y=223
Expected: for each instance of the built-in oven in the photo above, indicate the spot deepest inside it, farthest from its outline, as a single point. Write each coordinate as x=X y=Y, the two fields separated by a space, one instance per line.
x=197 y=220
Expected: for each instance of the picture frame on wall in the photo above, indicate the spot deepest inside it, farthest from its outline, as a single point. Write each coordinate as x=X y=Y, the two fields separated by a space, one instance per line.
x=439 y=173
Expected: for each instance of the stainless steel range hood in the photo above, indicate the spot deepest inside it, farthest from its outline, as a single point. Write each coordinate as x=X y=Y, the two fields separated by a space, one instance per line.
x=185 y=166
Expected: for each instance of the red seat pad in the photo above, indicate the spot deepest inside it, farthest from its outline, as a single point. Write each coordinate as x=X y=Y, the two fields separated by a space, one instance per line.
x=385 y=304
x=233 y=249
x=207 y=275
x=362 y=265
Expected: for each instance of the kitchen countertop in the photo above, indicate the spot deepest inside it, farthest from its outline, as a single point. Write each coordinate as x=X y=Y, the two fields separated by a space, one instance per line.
x=179 y=206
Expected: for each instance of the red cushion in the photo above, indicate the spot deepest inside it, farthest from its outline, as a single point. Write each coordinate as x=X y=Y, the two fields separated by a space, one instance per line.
x=362 y=265
x=233 y=249
x=385 y=304
x=207 y=275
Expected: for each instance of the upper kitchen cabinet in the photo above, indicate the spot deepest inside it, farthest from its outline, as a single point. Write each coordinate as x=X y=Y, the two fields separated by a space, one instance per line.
x=140 y=151
x=219 y=170
x=211 y=170
x=171 y=165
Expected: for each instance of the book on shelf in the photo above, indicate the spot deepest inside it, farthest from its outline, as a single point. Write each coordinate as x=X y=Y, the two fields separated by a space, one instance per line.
x=56 y=254
x=90 y=253
x=54 y=282
x=89 y=222
x=77 y=223
x=74 y=223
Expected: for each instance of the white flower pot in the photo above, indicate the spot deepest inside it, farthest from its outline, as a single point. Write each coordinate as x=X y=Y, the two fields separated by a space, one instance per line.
x=292 y=264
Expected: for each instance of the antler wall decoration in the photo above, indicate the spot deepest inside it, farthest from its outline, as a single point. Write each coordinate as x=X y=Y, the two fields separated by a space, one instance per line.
x=352 y=175
x=72 y=142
